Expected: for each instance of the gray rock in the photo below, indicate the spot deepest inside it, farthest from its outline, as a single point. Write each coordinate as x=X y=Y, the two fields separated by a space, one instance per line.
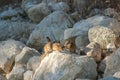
x=110 y=78
x=60 y=6
x=25 y=55
x=52 y=26
x=38 y=12
x=112 y=64
x=28 y=75
x=102 y=35
x=64 y=66
x=33 y=63
x=79 y=29
x=15 y=30
x=17 y=73
x=27 y=4
x=8 y=50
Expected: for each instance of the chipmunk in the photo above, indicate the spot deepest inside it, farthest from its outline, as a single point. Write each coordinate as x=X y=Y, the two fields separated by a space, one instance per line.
x=57 y=46
x=48 y=46
x=51 y=46
x=70 y=44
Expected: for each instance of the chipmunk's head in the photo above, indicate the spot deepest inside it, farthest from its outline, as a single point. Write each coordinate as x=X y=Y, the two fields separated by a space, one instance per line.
x=57 y=46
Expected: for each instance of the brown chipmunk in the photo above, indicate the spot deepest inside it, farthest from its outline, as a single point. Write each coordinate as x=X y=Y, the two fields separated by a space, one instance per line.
x=57 y=46
x=70 y=44
x=51 y=46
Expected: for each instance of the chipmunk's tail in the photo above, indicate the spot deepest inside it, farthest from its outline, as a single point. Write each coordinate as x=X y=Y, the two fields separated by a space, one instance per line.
x=48 y=39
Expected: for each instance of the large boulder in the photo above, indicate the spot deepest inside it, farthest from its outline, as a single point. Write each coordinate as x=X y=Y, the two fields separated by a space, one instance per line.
x=38 y=12
x=79 y=29
x=102 y=35
x=112 y=64
x=25 y=55
x=52 y=26
x=65 y=66
x=15 y=30
x=27 y=4
x=33 y=63
x=17 y=73
x=8 y=50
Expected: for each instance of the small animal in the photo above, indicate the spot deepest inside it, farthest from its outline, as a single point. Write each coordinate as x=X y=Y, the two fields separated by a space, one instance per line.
x=48 y=46
x=57 y=46
x=70 y=44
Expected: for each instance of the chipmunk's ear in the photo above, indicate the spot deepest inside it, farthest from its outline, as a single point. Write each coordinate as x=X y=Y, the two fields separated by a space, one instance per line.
x=48 y=39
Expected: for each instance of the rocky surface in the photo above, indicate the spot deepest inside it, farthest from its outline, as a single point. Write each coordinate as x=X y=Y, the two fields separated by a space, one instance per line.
x=65 y=66
x=25 y=24
x=52 y=26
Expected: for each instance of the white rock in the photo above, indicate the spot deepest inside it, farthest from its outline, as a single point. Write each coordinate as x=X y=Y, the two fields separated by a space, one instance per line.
x=64 y=66
x=8 y=50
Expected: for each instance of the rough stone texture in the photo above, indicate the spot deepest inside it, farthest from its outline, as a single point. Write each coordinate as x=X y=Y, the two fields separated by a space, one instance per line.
x=2 y=77
x=104 y=21
x=10 y=12
x=117 y=74
x=110 y=78
x=15 y=30
x=112 y=64
x=8 y=50
x=27 y=4
x=60 y=6
x=102 y=36
x=111 y=12
x=93 y=50
x=16 y=73
x=38 y=12
x=33 y=63
x=64 y=66
x=28 y=75
x=52 y=26
x=25 y=55
x=79 y=29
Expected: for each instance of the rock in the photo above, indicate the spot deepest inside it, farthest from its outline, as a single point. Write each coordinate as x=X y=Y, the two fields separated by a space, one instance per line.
x=112 y=64
x=8 y=50
x=38 y=12
x=79 y=29
x=10 y=12
x=15 y=30
x=60 y=6
x=16 y=73
x=102 y=36
x=65 y=66
x=109 y=78
x=104 y=21
x=82 y=6
x=27 y=4
x=111 y=12
x=33 y=63
x=52 y=26
x=2 y=77
x=25 y=55
x=28 y=75
x=93 y=50
x=117 y=74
